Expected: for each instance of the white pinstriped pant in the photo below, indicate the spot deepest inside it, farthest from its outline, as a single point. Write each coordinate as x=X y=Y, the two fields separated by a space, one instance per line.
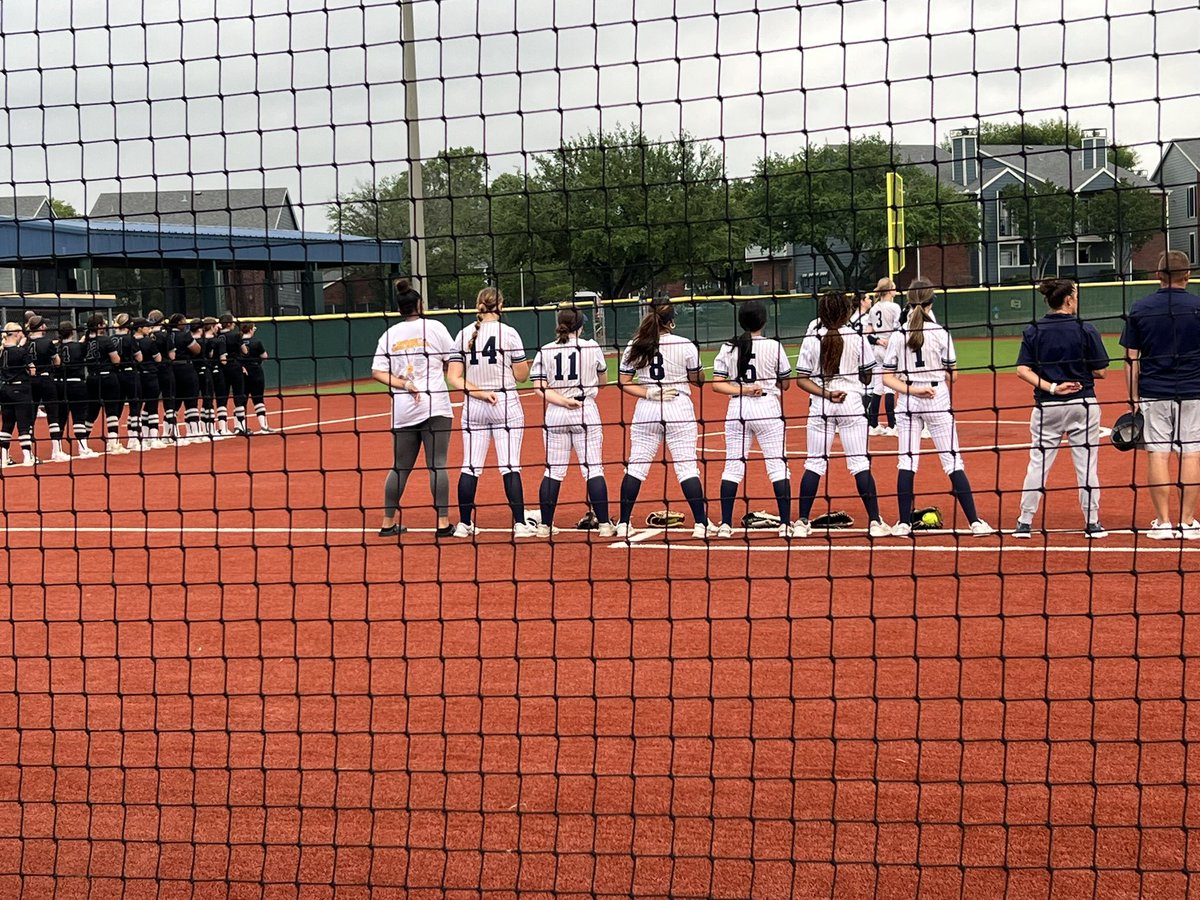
x=654 y=421
x=574 y=429
x=845 y=419
x=750 y=420
x=483 y=423
x=915 y=413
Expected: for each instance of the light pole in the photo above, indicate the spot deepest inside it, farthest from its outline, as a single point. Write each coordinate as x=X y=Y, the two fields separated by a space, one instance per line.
x=416 y=187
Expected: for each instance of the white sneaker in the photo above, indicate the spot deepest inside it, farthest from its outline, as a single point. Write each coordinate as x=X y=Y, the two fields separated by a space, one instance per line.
x=60 y=456
x=30 y=461
x=901 y=529
x=522 y=530
x=980 y=528
x=725 y=531
x=785 y=530
x=1162 y=531
x=159 y=444
x=1191 y=532
x=879 y=529
x=546 y=531
x=891 y=431
x=133 y=445
x=114 y=448
x=704 y=530
x=877 y=431
x=465 y=530
x=622 y=530
x=801 y=528
x=606 y=530
x=925 y=435
x=88 y=453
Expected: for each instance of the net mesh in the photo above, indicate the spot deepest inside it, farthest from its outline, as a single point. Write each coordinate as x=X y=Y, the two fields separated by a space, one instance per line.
x=218 y=680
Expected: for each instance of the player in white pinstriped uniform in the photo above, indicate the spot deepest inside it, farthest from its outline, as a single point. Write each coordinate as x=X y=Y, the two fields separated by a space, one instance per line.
x=568 y=372
x=919 y=362
x=752 y=370
x=666 y=366
x=881 y=320
x=835 y=366
x=490 y=359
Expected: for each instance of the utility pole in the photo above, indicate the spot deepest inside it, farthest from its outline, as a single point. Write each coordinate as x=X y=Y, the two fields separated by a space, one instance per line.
x=416 y=187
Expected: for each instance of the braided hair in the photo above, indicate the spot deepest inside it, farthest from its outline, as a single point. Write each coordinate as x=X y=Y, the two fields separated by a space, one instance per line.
x=488 y=301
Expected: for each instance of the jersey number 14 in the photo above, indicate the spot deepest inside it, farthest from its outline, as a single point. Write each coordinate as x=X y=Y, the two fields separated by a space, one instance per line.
x=488 y=351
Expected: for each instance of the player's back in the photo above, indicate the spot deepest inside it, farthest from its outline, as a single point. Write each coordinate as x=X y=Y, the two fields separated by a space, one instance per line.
x=854 y=360
x=670 y=364
x=488 y=351
x=927 y=362
x=768 y=363
x=572 y=368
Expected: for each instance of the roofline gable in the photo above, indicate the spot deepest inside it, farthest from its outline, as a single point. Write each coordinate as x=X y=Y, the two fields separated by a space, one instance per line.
x=1173 y=145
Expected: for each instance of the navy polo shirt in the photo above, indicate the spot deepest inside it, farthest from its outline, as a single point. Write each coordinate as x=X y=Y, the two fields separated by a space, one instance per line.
x=1165 y=330
x=1062 y=347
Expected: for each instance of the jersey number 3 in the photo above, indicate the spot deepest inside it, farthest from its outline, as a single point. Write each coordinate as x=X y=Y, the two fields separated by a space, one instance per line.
x=489 y=351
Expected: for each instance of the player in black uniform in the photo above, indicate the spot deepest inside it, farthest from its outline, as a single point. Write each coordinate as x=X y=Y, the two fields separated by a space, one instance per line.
x=148 y=368
x=235 y=374
x=44 y=386
x=214 y=413
x=73 y=387
x=104 y=388
x=165 y=345
x=201 y=334
x=187 y=386
x=16 y=401
x=253 y=354
x=127 y=377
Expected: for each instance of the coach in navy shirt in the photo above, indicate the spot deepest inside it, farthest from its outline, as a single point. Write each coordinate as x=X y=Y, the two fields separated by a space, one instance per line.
x=1062 y=356
x=1162 y=358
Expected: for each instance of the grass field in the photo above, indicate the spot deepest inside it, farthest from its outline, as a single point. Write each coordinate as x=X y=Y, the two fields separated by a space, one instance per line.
x=974 y=355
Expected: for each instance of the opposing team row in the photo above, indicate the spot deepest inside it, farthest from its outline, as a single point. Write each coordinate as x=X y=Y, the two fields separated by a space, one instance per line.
x=838 y=360
x=195 y=365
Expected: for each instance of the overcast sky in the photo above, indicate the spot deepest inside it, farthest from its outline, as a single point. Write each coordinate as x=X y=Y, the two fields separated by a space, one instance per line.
x=307 y=94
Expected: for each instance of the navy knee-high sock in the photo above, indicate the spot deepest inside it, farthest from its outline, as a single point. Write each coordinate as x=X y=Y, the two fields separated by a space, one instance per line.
x=873 y=411
x=597 y=491
x=865 y=482
x=783 y=498
x=515 y=493
x=467 y=485
x=960 y=486
x=630 y=487
x=889 y=403
x=693 y=492
x=548 y=499
x=904 y=495
x=728 y=495
x=808 y=492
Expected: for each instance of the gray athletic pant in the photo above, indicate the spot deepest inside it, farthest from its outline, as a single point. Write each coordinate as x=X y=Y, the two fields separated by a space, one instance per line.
x=434 y=435
x=1079 y=420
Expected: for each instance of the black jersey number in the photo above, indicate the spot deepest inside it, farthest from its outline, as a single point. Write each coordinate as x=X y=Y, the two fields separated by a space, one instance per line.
x=879 y=318
x=657 y=371
x=920 y=357
x=572 y=366
x=751 y=375
x=489 y=352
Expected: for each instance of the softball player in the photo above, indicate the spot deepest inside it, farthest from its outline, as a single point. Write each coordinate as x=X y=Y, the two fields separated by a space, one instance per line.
x=666 y=365
x=17 y=410
x=253 y=353
x=835 y=366
x=75 y=393
x=186 y=384
x=128 y=379
x=102 y=357
x=881 y=320
x=488 y=361
x=752 y=370
x=1062 y=356
x=45 y=383
x=148 y=370
x=568 y=373
x=164 y=342
x=919 y=361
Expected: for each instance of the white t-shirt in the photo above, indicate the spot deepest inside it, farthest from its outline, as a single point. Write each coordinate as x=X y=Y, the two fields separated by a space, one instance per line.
x=676 y=357
x=416 y=349
x=857 y=359
x=768 y=364
x=489 y=364
x=573 y=368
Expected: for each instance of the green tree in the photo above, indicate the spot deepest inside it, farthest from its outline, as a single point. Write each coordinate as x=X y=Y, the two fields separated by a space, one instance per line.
x=1045 y=215
x=615 y=212
x=833 y=198
x=457 y=230
x=63 y=209
x=1127 y=215
x=1048 y=132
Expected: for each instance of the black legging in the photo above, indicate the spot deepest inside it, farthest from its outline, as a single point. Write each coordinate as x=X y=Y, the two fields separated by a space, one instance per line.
x=104 y=392
x=74 y=403
x=434 y=435
x=256 y=387
x=235 y=380
x=149 y=387
x=187 y=391
x=45 y=394
x=16 y=412
x=166 y=390
x=131 y=396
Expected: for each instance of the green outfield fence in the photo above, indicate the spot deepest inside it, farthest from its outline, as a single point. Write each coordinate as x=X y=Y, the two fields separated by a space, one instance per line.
x=312 y=350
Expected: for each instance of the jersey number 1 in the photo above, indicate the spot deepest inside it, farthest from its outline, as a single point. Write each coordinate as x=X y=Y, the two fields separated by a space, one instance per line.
x=489 y=350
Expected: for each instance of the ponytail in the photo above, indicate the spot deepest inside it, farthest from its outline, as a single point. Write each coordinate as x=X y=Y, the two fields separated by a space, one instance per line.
x=1056 y=291
x=833 y=310
x=570 y=320
x=488 y=301
x=408 y=301
x=752 y=317
x=644 y=345
x=920 y=299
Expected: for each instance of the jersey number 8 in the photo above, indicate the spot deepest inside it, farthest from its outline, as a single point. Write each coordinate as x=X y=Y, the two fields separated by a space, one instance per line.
x=657 y=371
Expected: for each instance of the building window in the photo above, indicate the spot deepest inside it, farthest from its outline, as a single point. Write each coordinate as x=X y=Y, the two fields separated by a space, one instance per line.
x=1190 y=202
x=1013 y=254
x=1192 y=247
x=1008 y=220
